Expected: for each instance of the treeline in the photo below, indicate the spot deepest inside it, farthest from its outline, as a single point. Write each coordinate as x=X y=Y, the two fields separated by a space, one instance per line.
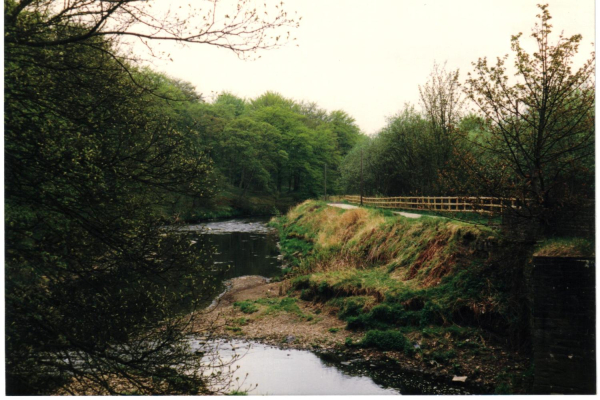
x=529 y=137
x=99 y=281
x=99 y=156
x=93 y=153
x=269 y=145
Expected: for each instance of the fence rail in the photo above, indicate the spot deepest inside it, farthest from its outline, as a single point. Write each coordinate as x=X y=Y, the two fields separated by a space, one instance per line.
x=485 y=205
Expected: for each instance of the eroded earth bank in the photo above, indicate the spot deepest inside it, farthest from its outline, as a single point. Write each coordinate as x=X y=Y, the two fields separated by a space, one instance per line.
x=429 y=296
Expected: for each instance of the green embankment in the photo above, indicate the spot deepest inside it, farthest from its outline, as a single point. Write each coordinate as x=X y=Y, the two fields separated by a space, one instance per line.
x=388 y=273
x=445 y=294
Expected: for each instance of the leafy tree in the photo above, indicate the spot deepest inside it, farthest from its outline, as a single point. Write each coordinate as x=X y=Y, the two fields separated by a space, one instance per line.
x=346 y=131
x=89 y=273
x=411 y=154
x=442 y=102
x=237 y=105
x=540 y=127
x=408 y=152
x=273 y=99
x=351 y=170
x=400 y=159
x=98 y=291
x=249 y=153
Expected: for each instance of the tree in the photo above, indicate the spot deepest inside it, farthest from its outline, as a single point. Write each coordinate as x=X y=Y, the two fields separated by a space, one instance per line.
x=249 y=154
x=442 y=107
x=243 y=29
x=540 y=128
x=346 y=131
x=98 y=291
x=442 y=103
x=237 y=105
x=90 y=273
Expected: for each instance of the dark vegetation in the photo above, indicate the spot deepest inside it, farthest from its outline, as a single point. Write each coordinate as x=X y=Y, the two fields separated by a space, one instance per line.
x=267 y=153
x=100 y=156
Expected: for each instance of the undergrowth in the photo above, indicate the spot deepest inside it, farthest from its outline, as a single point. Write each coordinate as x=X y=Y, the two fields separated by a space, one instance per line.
x=268 y=306
x=565 y=247
x=384 y=340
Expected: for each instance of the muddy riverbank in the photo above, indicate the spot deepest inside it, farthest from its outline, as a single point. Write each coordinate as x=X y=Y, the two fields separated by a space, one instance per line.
x=314 y=326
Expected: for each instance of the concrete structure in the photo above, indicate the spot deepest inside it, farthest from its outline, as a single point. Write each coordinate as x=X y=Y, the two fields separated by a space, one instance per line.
x=564 y=325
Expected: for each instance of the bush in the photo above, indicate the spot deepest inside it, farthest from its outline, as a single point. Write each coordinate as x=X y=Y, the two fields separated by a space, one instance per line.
x=351 y=307
x=387 y=340
x=246 y=307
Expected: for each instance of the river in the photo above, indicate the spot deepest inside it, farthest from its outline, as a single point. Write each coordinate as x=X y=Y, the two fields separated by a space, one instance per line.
x=249 y=247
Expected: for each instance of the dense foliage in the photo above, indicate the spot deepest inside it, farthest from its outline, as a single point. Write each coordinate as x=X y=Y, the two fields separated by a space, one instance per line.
x=532 y=140
x=103 y=157
x=540 y=142
x=90 y=157
x=275 y=145
x=98 y=155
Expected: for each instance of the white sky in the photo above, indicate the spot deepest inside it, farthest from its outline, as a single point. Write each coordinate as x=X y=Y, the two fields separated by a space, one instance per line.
x=368 y=57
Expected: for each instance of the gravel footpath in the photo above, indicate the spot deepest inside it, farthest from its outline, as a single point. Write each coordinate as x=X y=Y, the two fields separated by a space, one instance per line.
x=350 y=207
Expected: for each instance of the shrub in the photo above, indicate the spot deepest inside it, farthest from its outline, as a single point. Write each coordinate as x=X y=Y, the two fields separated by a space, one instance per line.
x=387 y=340
x=246 y=306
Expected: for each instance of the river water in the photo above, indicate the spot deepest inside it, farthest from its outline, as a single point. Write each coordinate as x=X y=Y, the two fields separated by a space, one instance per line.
x=248 y=247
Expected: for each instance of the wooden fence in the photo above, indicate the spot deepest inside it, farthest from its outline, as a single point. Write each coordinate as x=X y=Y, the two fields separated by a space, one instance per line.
x=485 y=205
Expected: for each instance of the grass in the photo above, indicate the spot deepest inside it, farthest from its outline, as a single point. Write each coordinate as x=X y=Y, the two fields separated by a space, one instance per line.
x=246 y=306
x=268 y=306
x=385 y=273
x=565 y=247
x=384 y=340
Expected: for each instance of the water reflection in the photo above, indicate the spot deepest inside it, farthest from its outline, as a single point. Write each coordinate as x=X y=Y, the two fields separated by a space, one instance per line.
x=246 y=225
x=289 y=372
x=242 y=247
x=249 y=247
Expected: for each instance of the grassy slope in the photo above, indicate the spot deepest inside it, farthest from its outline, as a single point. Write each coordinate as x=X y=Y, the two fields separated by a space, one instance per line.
x=398 y=278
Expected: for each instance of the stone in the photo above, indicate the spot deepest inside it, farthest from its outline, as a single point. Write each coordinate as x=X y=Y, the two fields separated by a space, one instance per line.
x=290 y=339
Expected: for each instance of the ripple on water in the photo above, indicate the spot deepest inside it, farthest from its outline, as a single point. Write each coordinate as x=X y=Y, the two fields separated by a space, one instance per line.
x=248 y=225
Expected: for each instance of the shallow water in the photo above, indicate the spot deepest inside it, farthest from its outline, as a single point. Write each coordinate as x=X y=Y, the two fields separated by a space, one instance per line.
x=290 y=372
x=249 y=247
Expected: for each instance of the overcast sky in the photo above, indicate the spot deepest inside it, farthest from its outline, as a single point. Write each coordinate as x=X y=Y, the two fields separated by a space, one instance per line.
x=368 y=57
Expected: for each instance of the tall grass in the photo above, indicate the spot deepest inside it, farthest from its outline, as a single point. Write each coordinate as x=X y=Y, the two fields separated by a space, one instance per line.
x=385 y=271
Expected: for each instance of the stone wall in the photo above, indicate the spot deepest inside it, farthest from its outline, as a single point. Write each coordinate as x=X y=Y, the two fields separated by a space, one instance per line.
x=564 y=325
